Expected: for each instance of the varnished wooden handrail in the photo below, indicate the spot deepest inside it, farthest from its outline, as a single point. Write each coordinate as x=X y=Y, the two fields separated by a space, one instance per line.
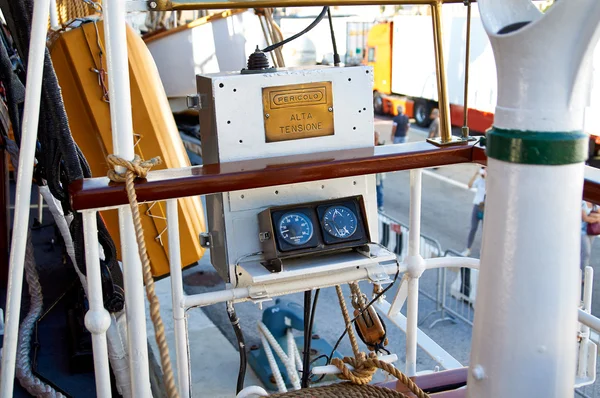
x=200 y=180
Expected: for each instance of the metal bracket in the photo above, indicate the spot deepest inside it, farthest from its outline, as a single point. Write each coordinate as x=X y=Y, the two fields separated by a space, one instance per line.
x=453 y=141
x=205 y=240
x=259 y=295
x=377 y=274
x=196 y=101
x=264 y=236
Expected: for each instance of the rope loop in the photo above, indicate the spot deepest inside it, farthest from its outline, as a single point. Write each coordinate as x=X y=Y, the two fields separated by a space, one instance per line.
x=137 y=166
x=363 y=368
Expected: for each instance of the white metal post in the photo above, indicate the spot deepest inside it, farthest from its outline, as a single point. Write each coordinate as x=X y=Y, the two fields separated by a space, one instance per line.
x=585 y=330
x=97 y=319
x=53 y=15
x=416 y=266
x=33 y=90
x=177 y=293
x=40 y=206
x=122 y=134
x=525 y=325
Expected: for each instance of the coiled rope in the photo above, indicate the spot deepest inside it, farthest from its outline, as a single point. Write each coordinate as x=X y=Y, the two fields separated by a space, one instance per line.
x=27 y=379
x=134 y=169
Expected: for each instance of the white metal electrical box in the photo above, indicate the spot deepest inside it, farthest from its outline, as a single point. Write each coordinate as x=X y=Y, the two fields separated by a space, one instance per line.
x=276 y=114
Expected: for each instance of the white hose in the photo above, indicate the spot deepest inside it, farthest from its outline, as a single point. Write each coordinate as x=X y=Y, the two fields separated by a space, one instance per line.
x=289 y=363
x=252 y=391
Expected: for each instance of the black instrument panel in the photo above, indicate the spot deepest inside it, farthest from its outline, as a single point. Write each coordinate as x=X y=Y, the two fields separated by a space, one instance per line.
x=311 y=228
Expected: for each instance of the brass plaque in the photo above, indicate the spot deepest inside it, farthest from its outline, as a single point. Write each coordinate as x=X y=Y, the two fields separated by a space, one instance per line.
x=297 y=111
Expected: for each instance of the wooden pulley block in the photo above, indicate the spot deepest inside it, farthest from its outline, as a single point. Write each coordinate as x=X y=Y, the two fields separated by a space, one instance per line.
x=371 y=329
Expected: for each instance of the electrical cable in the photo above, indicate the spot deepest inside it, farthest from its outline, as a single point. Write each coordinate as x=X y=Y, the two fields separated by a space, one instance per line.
x=306 y=365
x=235 y=322
x=306 y=348
x=336 y=56
x=363 y=310
x=297 y=35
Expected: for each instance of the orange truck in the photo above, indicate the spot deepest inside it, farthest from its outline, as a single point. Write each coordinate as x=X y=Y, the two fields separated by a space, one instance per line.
x=401 y=53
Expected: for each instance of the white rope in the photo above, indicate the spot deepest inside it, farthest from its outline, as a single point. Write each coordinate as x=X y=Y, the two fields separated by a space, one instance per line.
x=28 y=381
x=272 y=363
x=63 y=226
x=288 y=362
x=293 y=350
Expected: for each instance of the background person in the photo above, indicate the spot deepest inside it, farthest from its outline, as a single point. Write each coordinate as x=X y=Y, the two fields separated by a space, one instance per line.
x=434 y=127
x=589 y=215
x=400 y=126
x=478 y=182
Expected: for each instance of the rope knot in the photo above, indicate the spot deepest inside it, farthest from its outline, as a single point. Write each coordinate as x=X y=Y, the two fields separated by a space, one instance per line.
x=364 y=368
x=137 y=168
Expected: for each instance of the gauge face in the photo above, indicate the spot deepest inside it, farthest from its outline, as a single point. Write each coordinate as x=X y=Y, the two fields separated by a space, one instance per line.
x=340 y=222
x=295 y=228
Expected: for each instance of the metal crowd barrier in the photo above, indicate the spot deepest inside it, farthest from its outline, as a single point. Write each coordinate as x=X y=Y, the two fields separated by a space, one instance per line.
x=453 y=295
x=394 y=235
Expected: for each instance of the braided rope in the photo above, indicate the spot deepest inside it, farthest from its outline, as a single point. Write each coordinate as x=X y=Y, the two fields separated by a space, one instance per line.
x=23 y=373
x=347 y=321
x=342 y=390
x=139 y=168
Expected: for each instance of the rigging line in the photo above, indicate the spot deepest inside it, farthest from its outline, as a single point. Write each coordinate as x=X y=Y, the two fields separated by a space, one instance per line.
x=363 y=310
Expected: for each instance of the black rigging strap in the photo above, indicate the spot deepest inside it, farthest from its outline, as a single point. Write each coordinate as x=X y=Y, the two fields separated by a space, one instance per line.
x=60 y=161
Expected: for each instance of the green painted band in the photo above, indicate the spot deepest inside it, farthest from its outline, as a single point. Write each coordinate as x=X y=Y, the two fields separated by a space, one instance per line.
x=543 y=148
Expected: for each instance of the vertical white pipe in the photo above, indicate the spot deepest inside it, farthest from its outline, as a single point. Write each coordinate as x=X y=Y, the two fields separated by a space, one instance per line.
x=415 y=269
x=177 y=293
x=97 y=319
x=411 y=326
x=528 y=283
x=585 y=330
x=35 y=68
x=53 y=15
x=122 y=131
x=40 y=206
x=529 y=286
x=414 y=243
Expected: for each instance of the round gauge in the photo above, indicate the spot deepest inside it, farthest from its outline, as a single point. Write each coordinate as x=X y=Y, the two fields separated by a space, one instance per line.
x=340 y=222
x=295 y=228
